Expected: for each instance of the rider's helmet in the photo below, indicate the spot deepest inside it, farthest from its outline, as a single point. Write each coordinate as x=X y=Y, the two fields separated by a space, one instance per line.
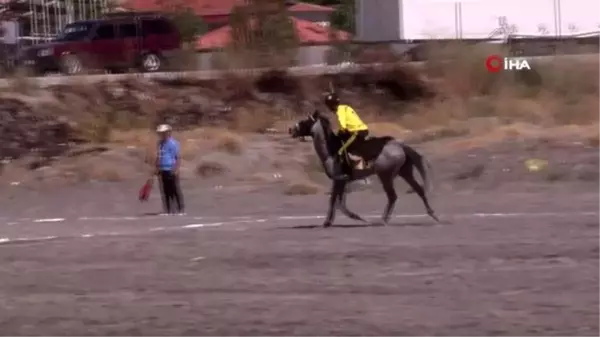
x=332 y=101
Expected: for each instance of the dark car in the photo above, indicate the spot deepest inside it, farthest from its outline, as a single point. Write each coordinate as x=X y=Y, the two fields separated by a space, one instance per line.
x=116 y=43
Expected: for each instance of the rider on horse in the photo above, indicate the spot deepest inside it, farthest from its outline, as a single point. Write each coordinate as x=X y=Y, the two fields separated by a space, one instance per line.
x=352 y=131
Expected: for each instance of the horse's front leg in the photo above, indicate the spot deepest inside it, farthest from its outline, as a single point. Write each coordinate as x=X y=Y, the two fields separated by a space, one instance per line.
x=337 y=188
x=344 y=208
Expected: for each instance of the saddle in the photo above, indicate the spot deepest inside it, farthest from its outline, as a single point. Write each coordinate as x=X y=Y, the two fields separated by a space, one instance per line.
x=362 y=155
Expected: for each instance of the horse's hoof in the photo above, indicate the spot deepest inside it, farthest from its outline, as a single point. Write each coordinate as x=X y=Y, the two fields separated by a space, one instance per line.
x=326 y=224
x=431 y=214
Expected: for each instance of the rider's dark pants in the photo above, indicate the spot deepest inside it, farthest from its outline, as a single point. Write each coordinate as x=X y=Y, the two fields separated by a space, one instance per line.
x=349 y=140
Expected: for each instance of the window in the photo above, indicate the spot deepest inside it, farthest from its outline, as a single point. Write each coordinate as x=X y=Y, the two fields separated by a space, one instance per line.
x=75 y=31
x=105 y=32
x=156 y=26
x=127 y=30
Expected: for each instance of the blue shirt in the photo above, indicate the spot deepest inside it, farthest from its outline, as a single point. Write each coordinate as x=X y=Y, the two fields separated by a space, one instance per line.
x=168 y=153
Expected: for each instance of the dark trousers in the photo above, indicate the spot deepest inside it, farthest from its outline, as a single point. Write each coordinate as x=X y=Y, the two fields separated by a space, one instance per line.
x=171 y=192
x=349 y=140
x=352 y=138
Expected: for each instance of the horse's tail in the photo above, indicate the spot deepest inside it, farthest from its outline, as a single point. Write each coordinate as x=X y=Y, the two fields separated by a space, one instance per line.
x=422 y=165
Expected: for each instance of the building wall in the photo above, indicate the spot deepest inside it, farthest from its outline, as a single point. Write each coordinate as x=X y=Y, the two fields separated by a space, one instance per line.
x=385 y=20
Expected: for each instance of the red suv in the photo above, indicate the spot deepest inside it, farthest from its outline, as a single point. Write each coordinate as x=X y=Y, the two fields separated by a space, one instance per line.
x=118 y=42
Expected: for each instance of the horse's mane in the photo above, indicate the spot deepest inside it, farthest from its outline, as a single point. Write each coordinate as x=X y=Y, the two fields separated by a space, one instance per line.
x=333 y=141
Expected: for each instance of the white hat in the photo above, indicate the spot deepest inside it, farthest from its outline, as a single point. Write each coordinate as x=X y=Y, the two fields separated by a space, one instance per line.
x=163 y=128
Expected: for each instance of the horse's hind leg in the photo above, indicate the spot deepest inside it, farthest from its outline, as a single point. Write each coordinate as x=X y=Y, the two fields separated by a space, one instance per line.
x=344 y=208
x=407 y=173
x=387 y=182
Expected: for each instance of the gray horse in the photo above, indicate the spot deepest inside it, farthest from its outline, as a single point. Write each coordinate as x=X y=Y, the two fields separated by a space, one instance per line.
x=389 y=157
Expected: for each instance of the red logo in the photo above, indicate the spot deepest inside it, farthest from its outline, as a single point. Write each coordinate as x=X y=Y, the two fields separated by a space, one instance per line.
x=493 y=63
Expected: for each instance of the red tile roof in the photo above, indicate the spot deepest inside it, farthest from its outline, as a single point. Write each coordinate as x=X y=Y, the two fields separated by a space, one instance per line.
x=211 y=7
x=308 y=32
x=307 y=7
x=200 y=7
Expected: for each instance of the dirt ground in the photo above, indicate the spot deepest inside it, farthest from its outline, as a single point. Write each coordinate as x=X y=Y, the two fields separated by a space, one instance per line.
x=516 y=177
x=509 y=263
x=516 y=255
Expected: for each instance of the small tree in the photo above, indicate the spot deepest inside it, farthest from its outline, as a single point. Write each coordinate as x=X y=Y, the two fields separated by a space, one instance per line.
x=344 y=16
x=189 y=24
x=263 y=34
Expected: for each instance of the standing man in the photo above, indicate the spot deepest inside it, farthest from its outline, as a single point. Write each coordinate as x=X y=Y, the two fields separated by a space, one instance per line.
x=168 y=161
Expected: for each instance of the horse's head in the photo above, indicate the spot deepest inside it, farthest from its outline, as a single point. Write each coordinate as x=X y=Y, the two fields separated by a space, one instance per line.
x=319 y=128
x=304 y=127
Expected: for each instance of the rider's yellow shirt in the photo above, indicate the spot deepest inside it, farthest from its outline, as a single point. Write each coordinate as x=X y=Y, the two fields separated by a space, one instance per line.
x=349 y=120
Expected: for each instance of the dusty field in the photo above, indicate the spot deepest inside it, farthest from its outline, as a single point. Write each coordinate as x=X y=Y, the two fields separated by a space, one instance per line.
x=519 y=256
x=93 y=262
x=79 y=255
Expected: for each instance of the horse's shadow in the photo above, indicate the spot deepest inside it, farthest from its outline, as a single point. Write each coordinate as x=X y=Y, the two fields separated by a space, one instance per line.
x=364 y=225
x=150 y=214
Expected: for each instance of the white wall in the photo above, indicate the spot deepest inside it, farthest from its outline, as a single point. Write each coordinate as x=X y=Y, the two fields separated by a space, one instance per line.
x=480 y=19
x=429 y=19
x=450 y=19
x=583 y=14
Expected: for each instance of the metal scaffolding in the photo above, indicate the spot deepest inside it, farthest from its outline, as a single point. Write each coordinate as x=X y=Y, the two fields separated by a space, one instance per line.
x=41 y=20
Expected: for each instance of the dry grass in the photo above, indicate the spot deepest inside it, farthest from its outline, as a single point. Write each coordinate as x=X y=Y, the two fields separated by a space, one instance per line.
x=253 y=118
x=556 y=174
x=313 y=168
x=593 y=141
x=589 y=174
x=473 y=172
x=302 y=187
x=207 y=169
x=84 y=171
x=471 y=107
x=228 y=142
x=391 y=128
x=472 y=103
x=193 y=142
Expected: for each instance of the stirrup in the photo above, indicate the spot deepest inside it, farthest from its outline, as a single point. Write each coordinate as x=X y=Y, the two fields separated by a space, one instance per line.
x=341 y=177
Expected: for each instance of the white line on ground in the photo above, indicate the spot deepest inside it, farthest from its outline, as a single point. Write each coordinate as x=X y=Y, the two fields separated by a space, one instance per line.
x=5 y=240
x=115 y=218
x=49 y=220
x=216 y=224
x=491 y=269
x=250 y=219
x=464 y=215
x=307 y=217
x=200 y=225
